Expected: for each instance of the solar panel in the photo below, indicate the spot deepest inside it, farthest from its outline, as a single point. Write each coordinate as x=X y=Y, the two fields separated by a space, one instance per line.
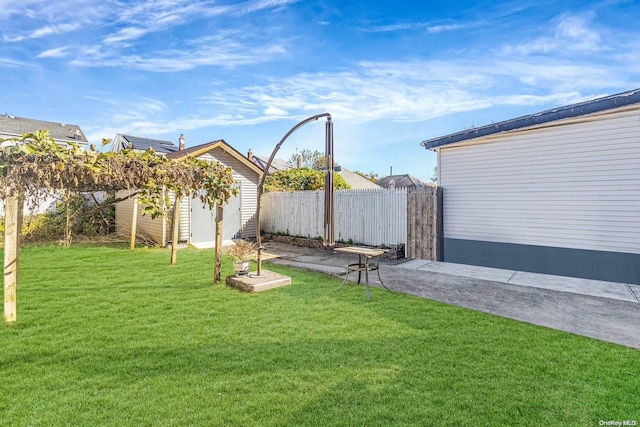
x=158 y=146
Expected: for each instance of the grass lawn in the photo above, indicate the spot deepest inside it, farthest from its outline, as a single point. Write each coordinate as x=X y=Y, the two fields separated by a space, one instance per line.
x=110 y=337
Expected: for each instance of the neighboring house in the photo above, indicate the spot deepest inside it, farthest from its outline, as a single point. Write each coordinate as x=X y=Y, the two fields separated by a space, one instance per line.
x=355 y=181
x=407 y=181
x=197 y=222
x=159 y=146
x=62 y=133
x=261 y=162
x=556 y=192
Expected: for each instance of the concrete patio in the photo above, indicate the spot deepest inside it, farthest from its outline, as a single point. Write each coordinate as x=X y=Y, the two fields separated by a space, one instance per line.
x=606 y=311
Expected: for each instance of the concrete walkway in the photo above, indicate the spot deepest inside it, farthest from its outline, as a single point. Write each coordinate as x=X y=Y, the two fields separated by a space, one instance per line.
x=606 y=311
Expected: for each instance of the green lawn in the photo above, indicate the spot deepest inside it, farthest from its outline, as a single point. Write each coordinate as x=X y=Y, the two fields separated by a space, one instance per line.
x=106 y=336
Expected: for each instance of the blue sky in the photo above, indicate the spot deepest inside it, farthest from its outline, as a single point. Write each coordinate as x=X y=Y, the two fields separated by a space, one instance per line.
x=391 y=73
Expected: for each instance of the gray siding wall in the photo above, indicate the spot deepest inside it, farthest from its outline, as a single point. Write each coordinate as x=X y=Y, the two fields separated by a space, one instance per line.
x=160 y=229
x=249 y=182
x=572 y=185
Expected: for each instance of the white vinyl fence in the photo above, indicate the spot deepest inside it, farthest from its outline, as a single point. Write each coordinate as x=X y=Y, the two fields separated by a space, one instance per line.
x=368 y=217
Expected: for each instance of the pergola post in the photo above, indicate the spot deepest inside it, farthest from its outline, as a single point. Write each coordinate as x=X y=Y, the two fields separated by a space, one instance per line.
x=218 y=249
x=175 y=229
x=13 y=226
x=134 y=223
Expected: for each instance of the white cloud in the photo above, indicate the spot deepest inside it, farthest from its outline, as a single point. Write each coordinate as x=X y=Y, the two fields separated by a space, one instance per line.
x=421 y=90
x=409 y=26
x=46 y=31
x=572 y=33
x=59 y=52
x=153 y=16
x=54 y=29
x=140 y=109
x=257 y=5
x=126 y=34
x=226 y=48
x=442 y=28
x=9 y=8
x=13 y=63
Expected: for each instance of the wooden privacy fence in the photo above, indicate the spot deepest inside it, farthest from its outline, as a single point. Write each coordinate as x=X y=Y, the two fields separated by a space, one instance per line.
x=424 y=224
x=368 y=217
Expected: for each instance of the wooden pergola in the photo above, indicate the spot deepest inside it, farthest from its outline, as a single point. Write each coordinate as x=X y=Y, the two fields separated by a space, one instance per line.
x=35 y=164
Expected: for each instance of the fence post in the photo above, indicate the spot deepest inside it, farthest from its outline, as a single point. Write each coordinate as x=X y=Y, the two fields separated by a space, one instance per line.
x=424 y=224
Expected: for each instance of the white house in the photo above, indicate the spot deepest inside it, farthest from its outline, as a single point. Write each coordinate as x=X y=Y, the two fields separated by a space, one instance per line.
x=63 y=133
x=556 y=192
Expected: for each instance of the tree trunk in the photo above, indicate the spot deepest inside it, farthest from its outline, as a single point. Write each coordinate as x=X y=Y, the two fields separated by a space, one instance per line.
x=13 y=225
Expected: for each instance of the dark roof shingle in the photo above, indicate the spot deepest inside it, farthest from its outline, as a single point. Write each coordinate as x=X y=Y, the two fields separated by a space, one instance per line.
x=11 y=126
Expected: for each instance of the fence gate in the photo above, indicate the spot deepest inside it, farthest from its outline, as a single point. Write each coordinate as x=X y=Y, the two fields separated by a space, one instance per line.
x=424 y=224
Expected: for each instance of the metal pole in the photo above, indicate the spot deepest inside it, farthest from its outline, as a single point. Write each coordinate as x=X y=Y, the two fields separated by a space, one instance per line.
x=329 y=239
x=266 y=172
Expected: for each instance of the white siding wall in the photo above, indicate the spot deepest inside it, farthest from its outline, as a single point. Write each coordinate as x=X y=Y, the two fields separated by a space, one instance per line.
x=249 y=195
x=185 y=217
x=153 y=228
x=370 y=217
x=573 y=185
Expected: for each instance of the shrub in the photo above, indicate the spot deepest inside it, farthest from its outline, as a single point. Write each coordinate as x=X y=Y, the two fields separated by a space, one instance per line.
x=88 y=220
x=241 y=250
x=301 y=179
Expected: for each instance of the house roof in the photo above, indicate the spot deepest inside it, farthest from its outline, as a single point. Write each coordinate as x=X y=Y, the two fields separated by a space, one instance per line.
x=11 y=127
x=201 y=149
x=159 y=146
x=402 y=181
x=357 y=182
x=276 y=164
x=571 y=111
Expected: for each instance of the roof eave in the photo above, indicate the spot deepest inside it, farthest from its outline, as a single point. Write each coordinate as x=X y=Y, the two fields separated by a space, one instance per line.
x=219 y=144
x=548 y=116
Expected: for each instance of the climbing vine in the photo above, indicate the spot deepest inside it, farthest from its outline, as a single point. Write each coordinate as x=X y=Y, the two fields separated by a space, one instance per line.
x=34 y=165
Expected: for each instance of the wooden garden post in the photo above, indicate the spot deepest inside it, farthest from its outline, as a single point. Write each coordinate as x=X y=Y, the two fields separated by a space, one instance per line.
x=13 y=225
x=68 y=197
x=175 y=229
x=218 y=261
x=134 y=223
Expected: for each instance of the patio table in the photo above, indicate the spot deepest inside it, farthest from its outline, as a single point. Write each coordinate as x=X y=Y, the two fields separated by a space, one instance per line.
x=365 y=255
